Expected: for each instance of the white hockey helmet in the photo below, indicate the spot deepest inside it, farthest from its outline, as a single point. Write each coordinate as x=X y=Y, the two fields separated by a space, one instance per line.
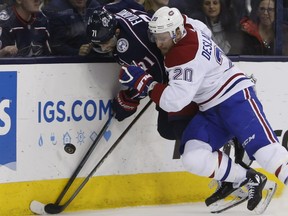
x=167 y=19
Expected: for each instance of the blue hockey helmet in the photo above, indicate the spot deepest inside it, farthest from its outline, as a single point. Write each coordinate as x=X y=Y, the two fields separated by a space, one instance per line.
x=101 y=26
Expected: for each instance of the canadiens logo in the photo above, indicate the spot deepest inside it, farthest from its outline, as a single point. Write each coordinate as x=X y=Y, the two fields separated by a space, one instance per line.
x=4 y=15
x=122 y=45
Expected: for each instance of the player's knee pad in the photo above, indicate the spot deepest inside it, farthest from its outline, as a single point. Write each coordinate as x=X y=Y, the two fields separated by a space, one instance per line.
x=197 y=158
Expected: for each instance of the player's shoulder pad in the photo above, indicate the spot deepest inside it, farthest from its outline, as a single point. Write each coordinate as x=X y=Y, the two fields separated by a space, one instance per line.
x=4 y=15
x=184 y=51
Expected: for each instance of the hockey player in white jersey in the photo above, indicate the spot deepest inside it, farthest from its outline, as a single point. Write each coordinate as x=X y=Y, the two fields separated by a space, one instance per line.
x=199 y=71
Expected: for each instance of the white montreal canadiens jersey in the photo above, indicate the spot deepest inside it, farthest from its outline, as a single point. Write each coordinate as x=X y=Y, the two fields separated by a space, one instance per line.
x=199 y=71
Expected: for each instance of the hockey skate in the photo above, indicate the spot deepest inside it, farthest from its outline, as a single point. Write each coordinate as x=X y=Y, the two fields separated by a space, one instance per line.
x=260 y=191
x=226 y=197
x=258 y=194
x=255 y=185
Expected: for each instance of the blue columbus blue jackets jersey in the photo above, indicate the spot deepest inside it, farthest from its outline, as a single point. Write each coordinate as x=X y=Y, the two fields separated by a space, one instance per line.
x=133 y=45
x=31 y=38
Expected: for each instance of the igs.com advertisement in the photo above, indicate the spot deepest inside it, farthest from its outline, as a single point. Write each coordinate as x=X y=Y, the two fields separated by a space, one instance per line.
x=8 y=107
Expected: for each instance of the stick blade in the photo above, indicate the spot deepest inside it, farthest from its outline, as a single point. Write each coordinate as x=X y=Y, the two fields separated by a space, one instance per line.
x=38 y=208
x=53 y=208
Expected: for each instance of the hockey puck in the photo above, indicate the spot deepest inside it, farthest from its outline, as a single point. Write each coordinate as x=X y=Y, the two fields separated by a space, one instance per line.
x=69 y=148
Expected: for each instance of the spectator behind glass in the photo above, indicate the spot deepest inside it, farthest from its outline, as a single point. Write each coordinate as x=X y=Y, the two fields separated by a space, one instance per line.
x=220 y=20
x=152 y=5
x=24 y=30
x=259 y=30
x=68 y=21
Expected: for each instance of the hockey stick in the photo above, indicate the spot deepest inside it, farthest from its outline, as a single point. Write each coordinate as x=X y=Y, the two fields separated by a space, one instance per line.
x=84 y=160
x=53 y=208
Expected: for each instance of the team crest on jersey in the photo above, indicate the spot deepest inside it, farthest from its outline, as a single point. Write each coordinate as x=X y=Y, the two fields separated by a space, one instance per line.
x=122 y=45
x=105 y=22
x=4 y=15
